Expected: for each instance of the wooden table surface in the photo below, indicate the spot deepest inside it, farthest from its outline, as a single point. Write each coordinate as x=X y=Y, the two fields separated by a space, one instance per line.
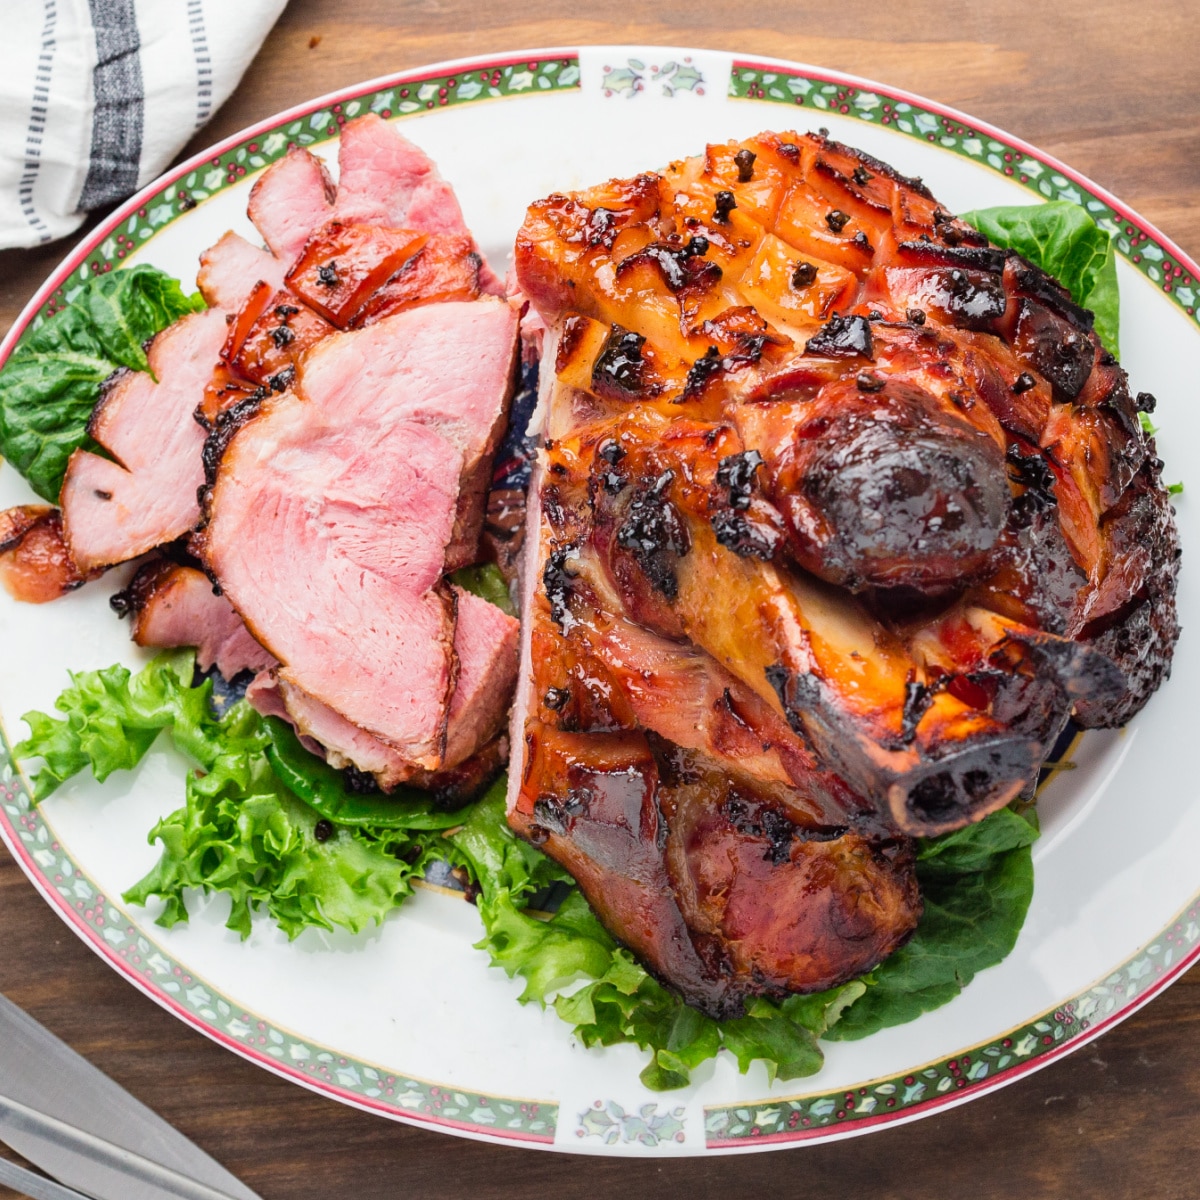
x=1108 y=88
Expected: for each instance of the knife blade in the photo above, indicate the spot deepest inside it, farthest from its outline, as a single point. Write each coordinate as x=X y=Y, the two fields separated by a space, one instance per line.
x=40 y=1074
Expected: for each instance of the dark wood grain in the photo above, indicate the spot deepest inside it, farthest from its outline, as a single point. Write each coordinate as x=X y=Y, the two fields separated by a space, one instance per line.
x=1110 y=88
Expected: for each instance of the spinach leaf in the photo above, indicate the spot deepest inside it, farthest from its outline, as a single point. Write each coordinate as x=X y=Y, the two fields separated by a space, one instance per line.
x=324 y=789
x=977 y=884
x=1065 y=242
x=487 y=582
x=51 y=382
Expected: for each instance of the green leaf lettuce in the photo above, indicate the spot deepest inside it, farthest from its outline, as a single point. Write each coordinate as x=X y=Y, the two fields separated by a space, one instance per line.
x=241 y=830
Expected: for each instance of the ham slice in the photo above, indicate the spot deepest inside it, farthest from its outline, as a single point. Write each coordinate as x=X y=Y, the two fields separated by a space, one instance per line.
x=330 y=736
x=343 y=266
x=385 y=180
x=328 y=536
x=291 y=198
x=446 y=268
x=448 y=366
x=173 y=605
x=334 y=506
x=343 y=743
x=115 y=509
x=485 y=644
x=230 y=268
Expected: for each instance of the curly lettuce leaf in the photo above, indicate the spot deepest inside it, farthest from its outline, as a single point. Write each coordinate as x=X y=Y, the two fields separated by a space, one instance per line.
x=1066 y=243
x=113 y=717
x=242 y=830
x=50 y=384
x=499 y=860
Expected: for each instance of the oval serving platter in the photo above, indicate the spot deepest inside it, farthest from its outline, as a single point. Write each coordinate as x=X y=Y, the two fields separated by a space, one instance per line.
x=408 y=1021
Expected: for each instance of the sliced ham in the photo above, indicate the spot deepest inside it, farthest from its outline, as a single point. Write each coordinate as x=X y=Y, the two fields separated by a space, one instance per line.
x=263 y=694
x=173 y=605
x=332 y=737
x=290 y=199
x=344 y=743
x=115 y=509
x=334 y=507
x=486 y=646
x=327 y=530
x=448 y=366
x=34 y=563
x=385 y=180
x=268 y=336
x=231 y=267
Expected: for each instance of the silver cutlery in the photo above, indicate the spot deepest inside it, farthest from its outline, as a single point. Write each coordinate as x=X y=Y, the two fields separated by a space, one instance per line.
x=69 y=1119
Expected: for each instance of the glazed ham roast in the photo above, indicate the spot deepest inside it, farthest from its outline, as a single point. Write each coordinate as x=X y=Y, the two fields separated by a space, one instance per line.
x=841 y=513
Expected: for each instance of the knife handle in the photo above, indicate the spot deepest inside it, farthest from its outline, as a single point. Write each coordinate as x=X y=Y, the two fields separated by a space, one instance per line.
x=36 y=1187
x=134 y=1166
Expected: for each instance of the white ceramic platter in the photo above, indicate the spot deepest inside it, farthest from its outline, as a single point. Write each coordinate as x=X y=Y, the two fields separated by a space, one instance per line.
x=409 y=1021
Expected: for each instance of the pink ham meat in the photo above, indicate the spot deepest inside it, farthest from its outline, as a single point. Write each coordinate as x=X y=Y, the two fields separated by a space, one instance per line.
x=448 y=366
x=327 y=732
x=291 y=199
x=114 y=510
x=383 y=179
x=333 y=507
x=328 y=536
x=485 y=644
x=230 y=269
x=174 y=605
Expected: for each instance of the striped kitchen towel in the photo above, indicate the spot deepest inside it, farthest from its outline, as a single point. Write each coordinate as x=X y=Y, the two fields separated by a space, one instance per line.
x=97 y=97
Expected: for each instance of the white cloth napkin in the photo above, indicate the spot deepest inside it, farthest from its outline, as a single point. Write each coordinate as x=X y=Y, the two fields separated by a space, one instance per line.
x=97 y=97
